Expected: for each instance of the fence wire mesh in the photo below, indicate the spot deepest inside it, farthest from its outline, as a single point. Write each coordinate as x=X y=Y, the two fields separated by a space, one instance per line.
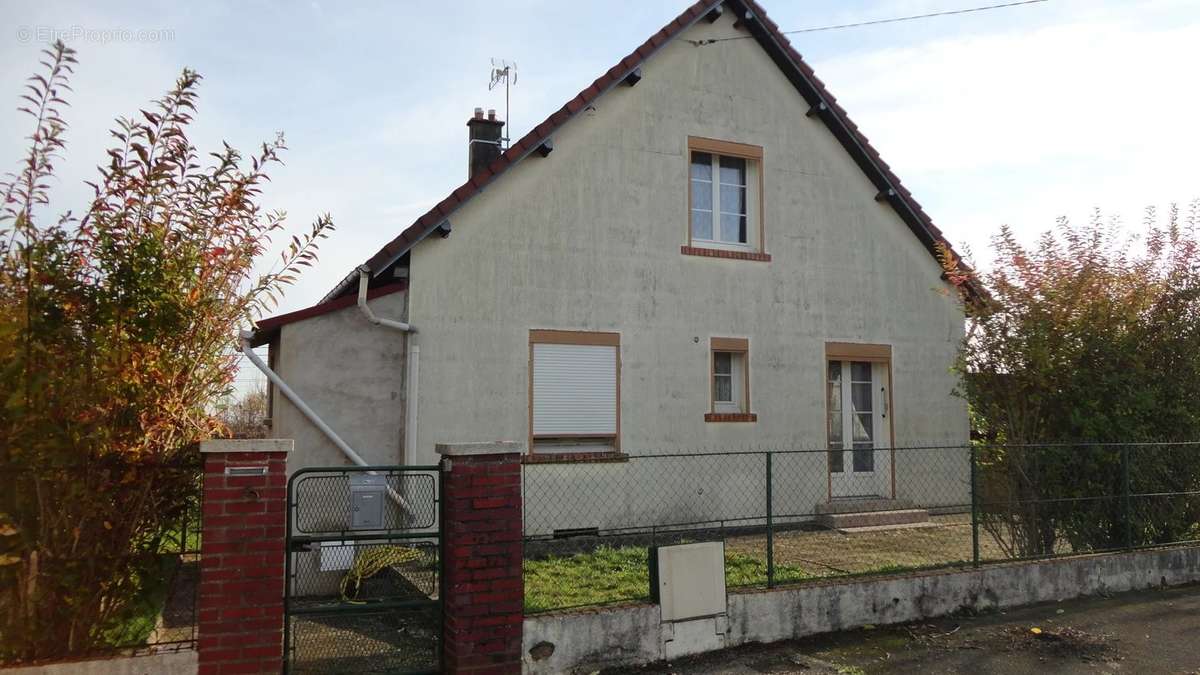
x=363 y=581
x=794 y=516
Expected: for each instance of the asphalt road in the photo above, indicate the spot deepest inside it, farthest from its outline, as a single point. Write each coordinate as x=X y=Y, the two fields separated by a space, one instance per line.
x=1153 y=631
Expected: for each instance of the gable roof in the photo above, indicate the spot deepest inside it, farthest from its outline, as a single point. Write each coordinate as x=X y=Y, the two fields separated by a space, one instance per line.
x=750 y=16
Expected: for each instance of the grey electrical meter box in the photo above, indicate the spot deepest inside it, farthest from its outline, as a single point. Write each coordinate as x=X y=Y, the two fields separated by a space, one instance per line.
x=366 y=501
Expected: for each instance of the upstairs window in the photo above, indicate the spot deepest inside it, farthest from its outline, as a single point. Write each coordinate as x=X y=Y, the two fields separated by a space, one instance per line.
x=725 y=196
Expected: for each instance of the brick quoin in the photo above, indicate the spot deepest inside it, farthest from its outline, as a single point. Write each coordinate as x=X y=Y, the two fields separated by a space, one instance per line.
x=240 y=599
x=483 y=608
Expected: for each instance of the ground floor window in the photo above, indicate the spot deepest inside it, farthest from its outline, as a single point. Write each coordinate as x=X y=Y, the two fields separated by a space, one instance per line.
x=574 y=398
x=729 y=375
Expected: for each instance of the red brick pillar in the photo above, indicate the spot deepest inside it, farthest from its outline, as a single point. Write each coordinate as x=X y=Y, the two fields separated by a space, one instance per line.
x=483 y=608
x=240 y=602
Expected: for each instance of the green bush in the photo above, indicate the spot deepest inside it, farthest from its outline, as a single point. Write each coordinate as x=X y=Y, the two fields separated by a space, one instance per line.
x=118 y=332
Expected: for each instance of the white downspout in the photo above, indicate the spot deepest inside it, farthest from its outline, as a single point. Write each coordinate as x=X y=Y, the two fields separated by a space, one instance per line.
x=414 y=355
x=248 y=352
x=410 y=423
x=311 y=416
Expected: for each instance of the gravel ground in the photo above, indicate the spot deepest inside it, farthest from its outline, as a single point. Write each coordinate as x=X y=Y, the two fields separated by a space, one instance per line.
x=1153 y=631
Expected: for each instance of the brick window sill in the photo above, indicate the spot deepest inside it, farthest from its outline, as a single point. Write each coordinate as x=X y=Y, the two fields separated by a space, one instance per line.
x=573 y=457
x=730 y=417
x=722 y=253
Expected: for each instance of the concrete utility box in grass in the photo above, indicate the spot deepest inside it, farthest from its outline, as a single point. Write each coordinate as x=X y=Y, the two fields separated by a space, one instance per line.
x=690 y=580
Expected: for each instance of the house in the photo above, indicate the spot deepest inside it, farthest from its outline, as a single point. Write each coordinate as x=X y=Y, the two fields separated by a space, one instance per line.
x=699 y=251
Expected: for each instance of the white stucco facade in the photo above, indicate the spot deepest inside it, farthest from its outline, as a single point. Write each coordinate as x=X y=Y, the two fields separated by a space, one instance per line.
x=588 y=239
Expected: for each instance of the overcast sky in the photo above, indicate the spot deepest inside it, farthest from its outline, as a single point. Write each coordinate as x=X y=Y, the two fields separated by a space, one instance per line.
x=1013 y=116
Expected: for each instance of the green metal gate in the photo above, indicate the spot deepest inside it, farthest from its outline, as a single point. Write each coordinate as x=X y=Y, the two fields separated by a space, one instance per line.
x=363 y=570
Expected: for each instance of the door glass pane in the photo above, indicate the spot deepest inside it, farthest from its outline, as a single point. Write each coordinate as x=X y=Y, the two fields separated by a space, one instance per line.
x=836 y=462
x=835 y=429
x=722 y=363
x=860 y=396
x=863 y=431
x=702 y=224
x=702 y=166
x=834 y=418
x=864 y=457
x=860 y=371
x=733 y=228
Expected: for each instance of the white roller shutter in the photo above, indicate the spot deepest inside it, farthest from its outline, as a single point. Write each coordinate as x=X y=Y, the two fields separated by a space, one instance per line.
x=574 y=389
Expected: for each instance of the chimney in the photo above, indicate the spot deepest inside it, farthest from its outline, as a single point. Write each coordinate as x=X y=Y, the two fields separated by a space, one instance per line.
x=483 y=148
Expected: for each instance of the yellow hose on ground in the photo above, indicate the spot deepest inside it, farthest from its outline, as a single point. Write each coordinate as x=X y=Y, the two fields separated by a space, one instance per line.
x=372 y=561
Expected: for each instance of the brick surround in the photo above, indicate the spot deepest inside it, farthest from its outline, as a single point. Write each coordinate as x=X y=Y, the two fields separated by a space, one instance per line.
x=723 y=253
x=240 y=599
x=481 y=527
x=730 y=417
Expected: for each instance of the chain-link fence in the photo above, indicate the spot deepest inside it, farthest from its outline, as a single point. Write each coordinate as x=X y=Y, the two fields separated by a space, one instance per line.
x=790 y=516
x=99 y=558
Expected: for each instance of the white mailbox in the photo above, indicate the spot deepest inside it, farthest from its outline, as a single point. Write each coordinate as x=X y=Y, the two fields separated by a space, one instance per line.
x=691 y=580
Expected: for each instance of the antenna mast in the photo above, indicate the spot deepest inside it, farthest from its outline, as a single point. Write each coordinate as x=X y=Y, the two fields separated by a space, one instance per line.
x=506 y=72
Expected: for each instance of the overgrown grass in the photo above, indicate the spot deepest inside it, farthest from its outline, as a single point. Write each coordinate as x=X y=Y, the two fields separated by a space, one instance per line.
x=608 y=574
x=140 y=617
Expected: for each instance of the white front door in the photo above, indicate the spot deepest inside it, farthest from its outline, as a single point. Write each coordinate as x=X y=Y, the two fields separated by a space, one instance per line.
x=859 y=457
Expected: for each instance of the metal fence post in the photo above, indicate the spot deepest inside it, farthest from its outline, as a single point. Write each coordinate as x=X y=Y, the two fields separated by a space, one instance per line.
x=974 y=507
x=1126 y=510
x=770 y=526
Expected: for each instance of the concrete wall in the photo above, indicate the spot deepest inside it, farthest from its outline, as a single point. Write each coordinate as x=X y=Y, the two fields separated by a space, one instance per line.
x=589 y=239
x=584 y=642
x=351 y=373
x=182 y=662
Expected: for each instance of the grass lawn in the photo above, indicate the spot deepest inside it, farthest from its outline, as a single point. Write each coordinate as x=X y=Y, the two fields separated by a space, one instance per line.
x=610 y=574
x=141 y=614
x=620 y=574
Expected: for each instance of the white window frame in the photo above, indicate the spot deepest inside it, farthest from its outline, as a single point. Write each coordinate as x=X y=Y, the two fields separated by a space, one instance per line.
x=739 y=367
x=881 y=479
x=752 y=156
x=736 y=375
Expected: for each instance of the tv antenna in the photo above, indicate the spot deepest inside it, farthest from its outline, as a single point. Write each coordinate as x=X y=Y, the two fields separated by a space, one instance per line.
x=506 y=72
